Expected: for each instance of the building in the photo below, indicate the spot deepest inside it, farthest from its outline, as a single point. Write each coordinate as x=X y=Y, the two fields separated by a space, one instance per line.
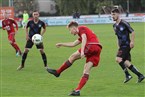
x=46 y=6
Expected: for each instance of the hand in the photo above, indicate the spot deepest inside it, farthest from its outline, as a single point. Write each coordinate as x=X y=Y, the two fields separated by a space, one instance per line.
x=5 y=28
x=131 y=44
x=82 y=55
x=58 y=45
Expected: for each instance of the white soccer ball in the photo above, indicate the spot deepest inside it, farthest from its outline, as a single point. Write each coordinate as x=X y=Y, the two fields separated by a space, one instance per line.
x=37 y=39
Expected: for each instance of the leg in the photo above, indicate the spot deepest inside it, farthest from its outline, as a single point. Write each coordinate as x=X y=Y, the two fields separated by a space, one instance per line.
x=12 y=41
x=24 y=56
x=44 y=58
x=28 y=46
x=92 y=60
x=85 y=76
x=23 y=24
x=122 y=65
x=134 y=70
x=122 y=55
x=83 y=80
x=75 y=56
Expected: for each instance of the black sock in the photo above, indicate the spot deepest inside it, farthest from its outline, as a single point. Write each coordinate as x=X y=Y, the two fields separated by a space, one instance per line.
x=24 y=56
x=44 y=59
x=124 y=68
x=134 y=70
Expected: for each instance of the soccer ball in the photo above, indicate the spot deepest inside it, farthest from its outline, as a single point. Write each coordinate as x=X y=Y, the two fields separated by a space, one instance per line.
x=37 y=39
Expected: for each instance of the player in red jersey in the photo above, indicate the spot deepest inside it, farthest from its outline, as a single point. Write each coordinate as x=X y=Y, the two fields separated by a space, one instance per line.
x=7 y=24
x=90 y=48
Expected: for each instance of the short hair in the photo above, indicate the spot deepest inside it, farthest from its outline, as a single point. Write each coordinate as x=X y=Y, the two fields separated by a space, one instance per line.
x=35 y=11
x=72 y=23
x=115 y=10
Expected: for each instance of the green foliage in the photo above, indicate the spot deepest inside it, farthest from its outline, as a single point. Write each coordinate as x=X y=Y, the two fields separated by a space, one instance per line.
x=4 y=3
x=143 y=3
x=22 y=5
x=66 y=7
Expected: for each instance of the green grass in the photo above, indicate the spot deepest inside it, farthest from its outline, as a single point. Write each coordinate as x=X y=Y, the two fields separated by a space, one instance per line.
x=105 y=80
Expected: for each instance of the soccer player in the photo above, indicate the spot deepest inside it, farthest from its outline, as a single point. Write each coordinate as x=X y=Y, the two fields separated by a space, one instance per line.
x=8 y=24
x=123 y=30
x=25 y=18
x=35 y=25
x=90 y=48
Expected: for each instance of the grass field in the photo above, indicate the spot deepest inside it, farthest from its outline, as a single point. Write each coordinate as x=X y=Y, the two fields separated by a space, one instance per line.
x=105 y=81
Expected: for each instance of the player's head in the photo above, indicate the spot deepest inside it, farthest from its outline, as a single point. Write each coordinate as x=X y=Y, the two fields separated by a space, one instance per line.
x=73 y=27
x=115 y=14
x=35 y=14
x=25 y=11
x=6 y=15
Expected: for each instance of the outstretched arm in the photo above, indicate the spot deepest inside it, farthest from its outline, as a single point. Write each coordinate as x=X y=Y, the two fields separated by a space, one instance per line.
x=68 y=44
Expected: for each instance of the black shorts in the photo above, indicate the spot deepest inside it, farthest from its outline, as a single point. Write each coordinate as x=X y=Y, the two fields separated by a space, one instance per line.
x=30 y=44
x=124 y=53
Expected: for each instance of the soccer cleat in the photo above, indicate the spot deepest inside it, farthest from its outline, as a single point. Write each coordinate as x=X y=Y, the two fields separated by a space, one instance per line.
x=52 y=71
x=140 y=78
x=18 y=53
x=20 y=67
x=128 y=78
x=74 y=93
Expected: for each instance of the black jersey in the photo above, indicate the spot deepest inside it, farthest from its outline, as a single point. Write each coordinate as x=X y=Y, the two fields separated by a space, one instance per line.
x=35 y=28
x=122 y=30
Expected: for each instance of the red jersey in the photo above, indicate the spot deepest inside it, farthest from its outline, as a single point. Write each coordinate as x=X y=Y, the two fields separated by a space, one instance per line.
x=8 y=24
x=91 y=37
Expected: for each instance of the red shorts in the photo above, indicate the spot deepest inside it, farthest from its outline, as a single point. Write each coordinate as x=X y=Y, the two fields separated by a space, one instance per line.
x=11 y=37
x=92 y=53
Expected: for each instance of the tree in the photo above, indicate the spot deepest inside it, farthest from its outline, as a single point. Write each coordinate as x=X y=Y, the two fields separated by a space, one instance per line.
x=143 y=5
x=66 y=7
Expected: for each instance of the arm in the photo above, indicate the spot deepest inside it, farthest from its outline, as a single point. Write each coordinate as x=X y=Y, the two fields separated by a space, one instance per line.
x=84 y=41
x=69 y=44
x=27 y=35
x=15 y=24
x=44 y=29
x=130 y=29
x=132 y=39
x=3 y=27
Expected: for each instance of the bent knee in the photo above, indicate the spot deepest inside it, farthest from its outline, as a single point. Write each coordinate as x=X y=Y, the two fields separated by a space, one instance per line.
x=11 y=42
x=26 y=50
x=41 y=51
x=74 y=57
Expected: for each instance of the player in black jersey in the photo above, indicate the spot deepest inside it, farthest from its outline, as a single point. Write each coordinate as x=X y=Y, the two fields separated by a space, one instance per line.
x=35 y=25
x=123 y=30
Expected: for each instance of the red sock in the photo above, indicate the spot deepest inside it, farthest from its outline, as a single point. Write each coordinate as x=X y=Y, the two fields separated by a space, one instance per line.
x=15 y=46
x=83 y=81
x=64 y=66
